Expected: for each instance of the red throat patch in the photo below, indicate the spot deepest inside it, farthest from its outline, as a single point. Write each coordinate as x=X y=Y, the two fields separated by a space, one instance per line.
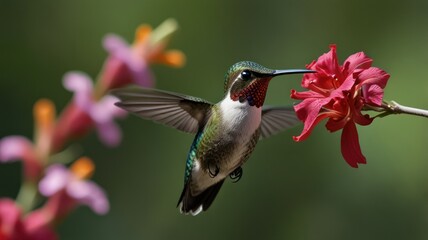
x=254 y=94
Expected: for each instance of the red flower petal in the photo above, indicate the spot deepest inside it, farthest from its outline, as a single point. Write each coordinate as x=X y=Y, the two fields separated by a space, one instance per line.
x=309 y=112
x=307 y=129
x=350 y=146
x=327 y=68
x=342 y=108
x=372 y=81
x=360 y=118
x=357 y=60
x=328 y=62
x=373 y=95
x=373 y=75
x=356 y=104
x=11 y=226
x=346 y=86
x=304 y=95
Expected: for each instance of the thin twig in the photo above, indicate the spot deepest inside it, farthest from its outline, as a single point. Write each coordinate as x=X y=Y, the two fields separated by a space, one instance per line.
x=396 y=108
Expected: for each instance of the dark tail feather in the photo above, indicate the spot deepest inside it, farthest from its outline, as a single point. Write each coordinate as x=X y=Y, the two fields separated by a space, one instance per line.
x=195 y=204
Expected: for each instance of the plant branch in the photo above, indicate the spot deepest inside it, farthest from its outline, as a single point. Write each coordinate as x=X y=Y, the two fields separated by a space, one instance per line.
x=396 y=108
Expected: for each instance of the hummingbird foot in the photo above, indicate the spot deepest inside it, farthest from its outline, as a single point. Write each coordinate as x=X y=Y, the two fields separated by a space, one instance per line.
x=214 y=173
x=236 y=174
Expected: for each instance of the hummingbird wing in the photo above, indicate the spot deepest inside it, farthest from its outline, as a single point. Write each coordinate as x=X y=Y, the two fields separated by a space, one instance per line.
x=276 y=119
x=185 y=113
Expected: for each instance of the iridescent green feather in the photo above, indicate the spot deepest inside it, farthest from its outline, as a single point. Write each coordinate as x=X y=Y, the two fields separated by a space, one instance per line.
x=202 y=141
x=192 y=155
x=239 y=67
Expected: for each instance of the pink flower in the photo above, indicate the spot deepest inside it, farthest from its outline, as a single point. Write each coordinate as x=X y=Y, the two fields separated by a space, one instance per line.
x=86 y=112
x=34 y=156
x=65 y=189
x=13 y=227
x=68 y=188
x=339 y=93
x=13 y=148
x=126 y=64
x=130 y=63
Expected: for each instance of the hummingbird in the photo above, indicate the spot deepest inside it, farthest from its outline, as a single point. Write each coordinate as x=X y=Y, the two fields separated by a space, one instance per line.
x=226 y=133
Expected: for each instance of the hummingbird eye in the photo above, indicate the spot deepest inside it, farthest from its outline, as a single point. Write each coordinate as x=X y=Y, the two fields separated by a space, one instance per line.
x=246 y=75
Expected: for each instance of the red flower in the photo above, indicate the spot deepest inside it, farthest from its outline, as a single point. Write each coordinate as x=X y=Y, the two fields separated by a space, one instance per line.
x=339 y=93
x=11 y=226
x=14 y=227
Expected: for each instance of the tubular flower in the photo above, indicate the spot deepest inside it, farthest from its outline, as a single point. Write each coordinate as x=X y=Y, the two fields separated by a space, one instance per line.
x=130 y=63
x=33 y=156
x=68 y=188
x=13 y=148
x=86 y=112
x=13 y=227
x=44 y=118
x=339 y=93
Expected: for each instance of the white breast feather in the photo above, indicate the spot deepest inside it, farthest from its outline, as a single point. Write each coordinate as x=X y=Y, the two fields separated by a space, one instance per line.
x=240 y=116
x=243 y=120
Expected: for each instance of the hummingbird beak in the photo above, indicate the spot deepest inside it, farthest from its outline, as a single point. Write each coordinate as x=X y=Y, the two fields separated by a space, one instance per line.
x=291 y=71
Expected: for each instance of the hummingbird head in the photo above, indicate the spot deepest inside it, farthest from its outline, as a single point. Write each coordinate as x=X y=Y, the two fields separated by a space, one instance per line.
x=248 y=81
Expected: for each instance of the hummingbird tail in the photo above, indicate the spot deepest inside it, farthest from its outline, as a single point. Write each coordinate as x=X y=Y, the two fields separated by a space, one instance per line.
x=196 y=204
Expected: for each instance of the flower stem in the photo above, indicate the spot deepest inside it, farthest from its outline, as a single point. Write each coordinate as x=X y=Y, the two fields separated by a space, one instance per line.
x=396 y=108
x=27 y=195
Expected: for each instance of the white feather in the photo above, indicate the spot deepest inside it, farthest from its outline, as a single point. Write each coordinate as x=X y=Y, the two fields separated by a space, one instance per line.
x=240 y=117
x=241 y=120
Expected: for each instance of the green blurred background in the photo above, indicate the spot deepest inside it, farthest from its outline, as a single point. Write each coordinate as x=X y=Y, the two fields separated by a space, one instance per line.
x=289 y=190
